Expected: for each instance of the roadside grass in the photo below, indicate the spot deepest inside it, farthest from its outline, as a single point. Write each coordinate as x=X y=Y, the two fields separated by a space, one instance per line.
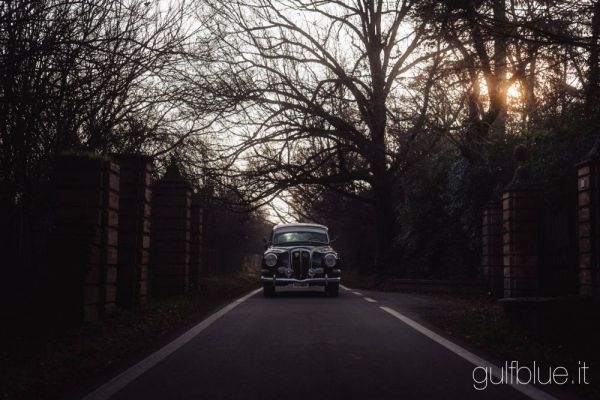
x=59 y=363
x=480 y=321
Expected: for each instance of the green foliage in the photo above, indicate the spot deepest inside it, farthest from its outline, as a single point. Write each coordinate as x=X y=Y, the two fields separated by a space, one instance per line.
x=556 y=146
x=439 y=207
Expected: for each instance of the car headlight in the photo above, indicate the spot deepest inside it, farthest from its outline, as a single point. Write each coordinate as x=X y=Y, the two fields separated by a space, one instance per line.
x=270 y=260
x=330 y=259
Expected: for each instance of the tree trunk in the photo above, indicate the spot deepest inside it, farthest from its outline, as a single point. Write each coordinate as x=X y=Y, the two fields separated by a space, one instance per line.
x=593 y=84
x=385 y=227
x=498 y=91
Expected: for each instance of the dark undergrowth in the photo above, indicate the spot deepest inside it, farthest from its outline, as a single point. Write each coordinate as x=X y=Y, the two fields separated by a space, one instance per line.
x=58 y=363
x=480 y=321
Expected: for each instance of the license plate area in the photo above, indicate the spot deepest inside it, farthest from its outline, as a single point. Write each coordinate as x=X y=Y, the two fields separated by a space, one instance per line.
x=300 y=284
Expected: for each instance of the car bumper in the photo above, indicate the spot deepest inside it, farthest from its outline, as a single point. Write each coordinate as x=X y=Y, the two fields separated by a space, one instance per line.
x=289 y=281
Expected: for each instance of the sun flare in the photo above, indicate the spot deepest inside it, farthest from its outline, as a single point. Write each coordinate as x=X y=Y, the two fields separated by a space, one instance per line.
x=514 y=93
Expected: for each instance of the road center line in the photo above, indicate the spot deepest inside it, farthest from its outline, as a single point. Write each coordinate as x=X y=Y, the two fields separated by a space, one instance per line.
x=528 y=390
x=357 y=293
x=120 y=381
x=370 y=300
x=344 y=287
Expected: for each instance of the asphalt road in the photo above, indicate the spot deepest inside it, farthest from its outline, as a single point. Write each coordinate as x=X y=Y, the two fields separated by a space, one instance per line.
x=302 y=345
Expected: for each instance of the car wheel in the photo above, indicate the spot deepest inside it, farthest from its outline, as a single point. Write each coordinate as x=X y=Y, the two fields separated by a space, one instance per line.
x=268 y=289
x=333 y=289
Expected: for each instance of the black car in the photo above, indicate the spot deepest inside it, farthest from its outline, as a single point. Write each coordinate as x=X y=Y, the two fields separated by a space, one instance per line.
x=300 y=255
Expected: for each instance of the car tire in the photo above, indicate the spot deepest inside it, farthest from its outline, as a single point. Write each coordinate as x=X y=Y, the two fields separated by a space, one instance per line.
x=333 y=289
x=268 y=290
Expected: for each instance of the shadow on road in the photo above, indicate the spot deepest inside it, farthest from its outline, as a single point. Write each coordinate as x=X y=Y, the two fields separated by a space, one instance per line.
x=292 y=292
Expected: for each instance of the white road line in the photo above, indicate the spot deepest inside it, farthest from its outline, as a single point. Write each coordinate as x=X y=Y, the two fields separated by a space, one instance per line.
x=344 y=287
x=120 y=381
x=528 y=390
x=357 y=293
x=370 y=300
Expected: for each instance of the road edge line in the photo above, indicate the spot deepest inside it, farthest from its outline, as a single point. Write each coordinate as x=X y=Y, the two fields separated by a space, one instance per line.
x=528 y=390
x=117 y=383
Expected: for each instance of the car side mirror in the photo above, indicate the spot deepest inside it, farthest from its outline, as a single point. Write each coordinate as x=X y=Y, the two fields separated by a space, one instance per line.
x=333 y=240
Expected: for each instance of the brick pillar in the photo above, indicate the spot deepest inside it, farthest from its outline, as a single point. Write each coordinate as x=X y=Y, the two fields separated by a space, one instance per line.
x=84 y=242
x=588 y=208
x=170 y=238
x=521 y=205
x=134 y=229
x=196 y=240
x=492 y=269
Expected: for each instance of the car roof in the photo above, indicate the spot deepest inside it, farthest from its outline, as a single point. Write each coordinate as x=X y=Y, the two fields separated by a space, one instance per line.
x=300 y=225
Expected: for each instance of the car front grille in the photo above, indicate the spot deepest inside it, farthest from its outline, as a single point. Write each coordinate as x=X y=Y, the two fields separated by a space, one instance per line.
x=300 y=263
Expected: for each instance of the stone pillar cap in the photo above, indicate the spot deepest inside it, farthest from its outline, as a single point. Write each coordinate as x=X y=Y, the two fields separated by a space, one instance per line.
x=593 y=155
x=173 y=174
x=134 y=156
x=521 y=178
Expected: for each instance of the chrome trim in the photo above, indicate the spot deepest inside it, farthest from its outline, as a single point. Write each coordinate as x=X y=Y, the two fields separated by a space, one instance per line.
x=298 y=270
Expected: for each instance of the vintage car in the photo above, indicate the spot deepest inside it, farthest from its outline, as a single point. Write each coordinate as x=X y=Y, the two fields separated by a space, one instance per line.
x=300 y=255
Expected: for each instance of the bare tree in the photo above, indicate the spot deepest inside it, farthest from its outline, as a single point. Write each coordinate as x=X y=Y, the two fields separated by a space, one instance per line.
x=83 y=75
x=540 y=49
x=80 y=75
x=314 y=89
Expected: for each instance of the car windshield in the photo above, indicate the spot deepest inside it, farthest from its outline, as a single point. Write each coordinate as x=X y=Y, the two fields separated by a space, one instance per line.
x=300 y=236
